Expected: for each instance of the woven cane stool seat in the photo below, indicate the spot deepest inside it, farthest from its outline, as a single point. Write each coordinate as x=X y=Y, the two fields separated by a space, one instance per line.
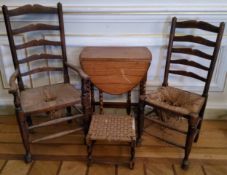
x=176 y=100
x=112 y=128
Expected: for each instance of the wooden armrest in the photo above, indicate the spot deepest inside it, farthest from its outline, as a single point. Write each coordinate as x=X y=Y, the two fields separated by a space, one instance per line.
x=78 y=70
x=12 y=82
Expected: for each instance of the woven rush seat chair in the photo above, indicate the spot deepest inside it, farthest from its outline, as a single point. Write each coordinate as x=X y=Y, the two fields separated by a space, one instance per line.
x=54 y=102
x=176 y=100
x=115 y=71
x=170 y=103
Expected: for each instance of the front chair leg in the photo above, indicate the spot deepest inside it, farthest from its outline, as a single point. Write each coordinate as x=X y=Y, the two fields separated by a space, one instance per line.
x=188 y=144
x=86 y=105
x=24 y=134
x=132 y=151
x=198 y=129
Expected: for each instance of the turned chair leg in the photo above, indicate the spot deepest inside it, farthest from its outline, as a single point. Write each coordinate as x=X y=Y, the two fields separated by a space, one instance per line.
x=140 y=121
x=29 y=120
x=92 y=98
x=24 y=134
x=198 y=128
x=128 y=109
x=188 y=145
x=69 y=113
x=132 y=152
x=30 y=123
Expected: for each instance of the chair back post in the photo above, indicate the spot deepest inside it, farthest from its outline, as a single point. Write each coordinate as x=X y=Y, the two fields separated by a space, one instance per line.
x=12 y=45
x=11 y=32
x=194 y=39
x=62 y=35
x=169 y=52
x=214 y=60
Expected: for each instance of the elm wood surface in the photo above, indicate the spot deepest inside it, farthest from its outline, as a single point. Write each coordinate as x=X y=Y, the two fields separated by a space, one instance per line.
x=59 y=156
x=51 y=98
x=115 y=70
x=169 y=102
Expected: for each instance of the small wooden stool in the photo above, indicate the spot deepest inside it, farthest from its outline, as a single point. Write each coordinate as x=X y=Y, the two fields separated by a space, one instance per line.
x=115 y=70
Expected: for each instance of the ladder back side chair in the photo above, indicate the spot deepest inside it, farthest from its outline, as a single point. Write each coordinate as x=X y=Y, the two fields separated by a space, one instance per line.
x=115 y=71
x=49 y=98
x=169 y=102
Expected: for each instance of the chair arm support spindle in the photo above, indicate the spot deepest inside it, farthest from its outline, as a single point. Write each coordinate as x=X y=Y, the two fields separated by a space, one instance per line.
x=12 y=82
x=82 y=74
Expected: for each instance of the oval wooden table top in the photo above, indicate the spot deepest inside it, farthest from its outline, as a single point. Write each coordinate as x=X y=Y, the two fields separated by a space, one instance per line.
x=115 y=70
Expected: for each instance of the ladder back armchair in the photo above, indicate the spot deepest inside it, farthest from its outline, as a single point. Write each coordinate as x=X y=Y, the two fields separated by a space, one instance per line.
x=48 y=98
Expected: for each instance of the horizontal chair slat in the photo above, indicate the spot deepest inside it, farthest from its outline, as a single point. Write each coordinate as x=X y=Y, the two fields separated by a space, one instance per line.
x=189 y=63
x=38 y=43
x=166 y=125
x=198 y=24
x=191 y=51
x=34 y=27
x=167 y=141
x=56 y=135
x=37 y=57
x=56 y=121
x=188 y=74
x=194 y=39
x=42 y=69
x=32 y=9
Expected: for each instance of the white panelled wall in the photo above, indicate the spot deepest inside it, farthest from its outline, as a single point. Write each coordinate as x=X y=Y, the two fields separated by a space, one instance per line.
x=124 y=23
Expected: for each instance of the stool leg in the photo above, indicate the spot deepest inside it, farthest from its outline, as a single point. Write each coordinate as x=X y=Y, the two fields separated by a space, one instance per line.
x=100 y=102
x=92 y=98
x=128 y=110
x=132 y=151
x=89 y=152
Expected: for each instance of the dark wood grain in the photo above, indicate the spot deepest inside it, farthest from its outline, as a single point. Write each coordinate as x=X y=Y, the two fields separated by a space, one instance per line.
x=215 y=56
x=41 y=69
x=63 y=47
x=166 y=109
x=12 y=44
x=191 y=51
x=32 y=9
x=40 y=42
x=44 y=99
x=40 y=56
x=169 y=51
x=188 y=74
x=198 y=24
x=34 y=27
x=189 y=63
x=194 y=39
